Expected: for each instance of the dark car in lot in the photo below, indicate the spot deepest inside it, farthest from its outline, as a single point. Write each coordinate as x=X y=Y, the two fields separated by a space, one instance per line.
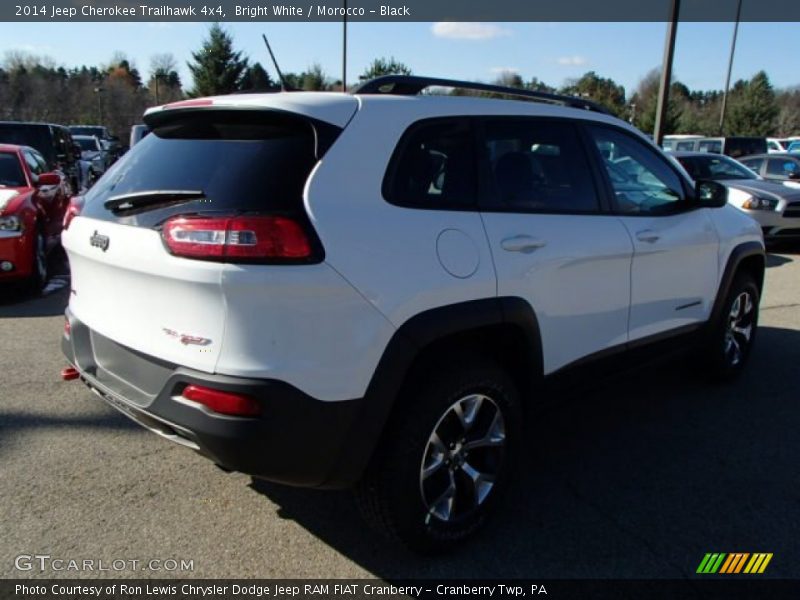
x=775 y=206
x=111 y=144
x=53 y=142
x=33 y=202
x=778 y=166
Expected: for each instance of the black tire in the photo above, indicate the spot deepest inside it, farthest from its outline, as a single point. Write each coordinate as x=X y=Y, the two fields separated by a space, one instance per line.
x=38 y=278
x=732 y=337
x=399 y=502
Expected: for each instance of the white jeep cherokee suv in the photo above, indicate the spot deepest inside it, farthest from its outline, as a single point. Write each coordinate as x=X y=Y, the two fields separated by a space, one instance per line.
x=333 y=290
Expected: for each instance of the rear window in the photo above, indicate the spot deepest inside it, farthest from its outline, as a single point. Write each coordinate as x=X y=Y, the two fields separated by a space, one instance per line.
x=737 y=147
x=241 y=161
x=81 y=130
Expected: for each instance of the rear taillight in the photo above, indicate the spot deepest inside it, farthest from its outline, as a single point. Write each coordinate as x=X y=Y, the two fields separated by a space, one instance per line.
x=73 y=210
x=245 y=239
x=226 y=403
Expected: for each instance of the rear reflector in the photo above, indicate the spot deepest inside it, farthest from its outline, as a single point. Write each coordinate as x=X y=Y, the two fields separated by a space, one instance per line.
x=226 y=403
x=237 y=238
x=70 y=374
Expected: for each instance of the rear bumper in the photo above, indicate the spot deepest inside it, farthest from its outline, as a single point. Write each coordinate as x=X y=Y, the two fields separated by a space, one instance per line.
x=298 y=440
x=16 y=248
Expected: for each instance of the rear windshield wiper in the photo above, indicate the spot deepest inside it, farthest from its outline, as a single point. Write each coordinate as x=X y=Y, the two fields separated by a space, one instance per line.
x=136 y=202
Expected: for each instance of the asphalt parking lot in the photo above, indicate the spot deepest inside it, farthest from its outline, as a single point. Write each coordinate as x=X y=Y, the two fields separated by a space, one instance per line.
x=637 y=477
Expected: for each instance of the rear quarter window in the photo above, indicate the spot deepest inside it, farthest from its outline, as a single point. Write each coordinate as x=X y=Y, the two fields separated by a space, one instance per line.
x=433 y=167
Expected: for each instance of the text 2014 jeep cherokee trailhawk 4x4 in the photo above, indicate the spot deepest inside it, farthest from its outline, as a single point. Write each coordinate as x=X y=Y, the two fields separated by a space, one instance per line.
x=365 y=289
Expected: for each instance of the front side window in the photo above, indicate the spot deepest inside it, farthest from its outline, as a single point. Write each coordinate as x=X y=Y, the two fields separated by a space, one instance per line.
x=33 y=164
x=642 y=181
x=40 y=161
x=433 y=167
x=537 y=166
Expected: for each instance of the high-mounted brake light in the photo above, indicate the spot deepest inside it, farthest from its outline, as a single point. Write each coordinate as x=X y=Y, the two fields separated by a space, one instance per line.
x=190 y=103
x=73 y=210
x=226 y=403
x=237 y=238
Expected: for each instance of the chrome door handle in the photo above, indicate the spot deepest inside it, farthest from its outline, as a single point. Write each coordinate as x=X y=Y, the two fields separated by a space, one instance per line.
x=647 y=235
x=522 y=243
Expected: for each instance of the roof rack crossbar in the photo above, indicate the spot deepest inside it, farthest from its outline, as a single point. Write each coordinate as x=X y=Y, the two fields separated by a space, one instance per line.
x=411 y=85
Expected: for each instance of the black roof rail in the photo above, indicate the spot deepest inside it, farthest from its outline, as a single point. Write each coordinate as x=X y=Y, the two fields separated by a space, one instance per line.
x=411 y=85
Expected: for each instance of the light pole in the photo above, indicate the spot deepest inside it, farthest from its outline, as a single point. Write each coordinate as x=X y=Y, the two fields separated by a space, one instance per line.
x=98 y=90
x=344 y=49
x=730 y=68
x=666 y=73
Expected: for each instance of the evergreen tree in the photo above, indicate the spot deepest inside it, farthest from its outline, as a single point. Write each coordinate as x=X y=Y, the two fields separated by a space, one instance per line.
x=256 y=79
x=753 y=109
x=645 y=101
x=216 y=67
x=314 y=79
x=602 y=90
x=383 y=66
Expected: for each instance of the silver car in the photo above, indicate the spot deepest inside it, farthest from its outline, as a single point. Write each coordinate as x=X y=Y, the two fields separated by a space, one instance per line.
x=775 y=206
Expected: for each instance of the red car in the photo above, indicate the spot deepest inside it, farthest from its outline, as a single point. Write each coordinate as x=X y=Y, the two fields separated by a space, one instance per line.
x=33 y=201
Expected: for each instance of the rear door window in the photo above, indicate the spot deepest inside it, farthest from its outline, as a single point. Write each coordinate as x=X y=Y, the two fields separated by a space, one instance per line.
x=536 y=165
x=239 y=162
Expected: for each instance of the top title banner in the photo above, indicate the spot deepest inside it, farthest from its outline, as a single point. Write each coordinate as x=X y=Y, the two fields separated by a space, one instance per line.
x=398 y=10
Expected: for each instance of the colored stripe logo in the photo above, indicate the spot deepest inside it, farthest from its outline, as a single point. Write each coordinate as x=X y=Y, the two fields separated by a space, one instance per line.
x=734 y=562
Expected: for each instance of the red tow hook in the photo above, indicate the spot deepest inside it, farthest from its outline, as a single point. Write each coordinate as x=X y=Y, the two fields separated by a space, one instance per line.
x=69 y=373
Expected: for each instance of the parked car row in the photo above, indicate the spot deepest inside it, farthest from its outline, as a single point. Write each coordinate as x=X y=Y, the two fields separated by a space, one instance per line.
x=734 y=146
x=775 y=206
x=33 y=202
x=42 y=166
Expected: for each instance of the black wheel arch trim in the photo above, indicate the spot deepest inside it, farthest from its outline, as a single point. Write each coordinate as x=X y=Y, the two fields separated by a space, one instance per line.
x=398 y=358
x=737 y=256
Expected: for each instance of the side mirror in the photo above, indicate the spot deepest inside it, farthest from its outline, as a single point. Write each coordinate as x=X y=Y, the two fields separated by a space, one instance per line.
x=711 y=194
x=48 y=179
x=77 y=150
x=794 y=175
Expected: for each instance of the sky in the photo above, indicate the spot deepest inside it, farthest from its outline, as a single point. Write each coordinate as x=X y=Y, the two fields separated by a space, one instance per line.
x=553 y=52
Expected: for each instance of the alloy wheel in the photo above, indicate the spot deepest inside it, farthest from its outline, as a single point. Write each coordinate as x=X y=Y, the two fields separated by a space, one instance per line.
x=739 y=330
x=462 y=458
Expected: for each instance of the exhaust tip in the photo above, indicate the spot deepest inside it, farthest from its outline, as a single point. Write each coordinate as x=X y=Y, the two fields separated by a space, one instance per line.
x=69 y=374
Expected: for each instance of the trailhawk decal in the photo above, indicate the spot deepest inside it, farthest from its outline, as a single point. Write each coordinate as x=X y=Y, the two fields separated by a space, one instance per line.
x=185 y=338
